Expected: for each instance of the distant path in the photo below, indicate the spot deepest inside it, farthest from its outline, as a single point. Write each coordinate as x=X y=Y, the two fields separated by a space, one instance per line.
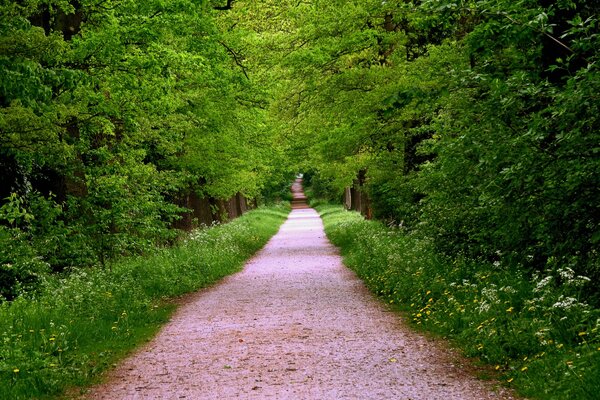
x=294 y=324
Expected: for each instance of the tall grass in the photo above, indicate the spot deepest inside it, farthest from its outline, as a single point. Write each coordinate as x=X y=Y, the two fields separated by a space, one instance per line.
x=535 y=332
x=79 y=325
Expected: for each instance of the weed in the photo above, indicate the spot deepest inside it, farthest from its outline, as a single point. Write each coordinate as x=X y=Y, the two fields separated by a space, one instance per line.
x=536 y=332
x=77 y=326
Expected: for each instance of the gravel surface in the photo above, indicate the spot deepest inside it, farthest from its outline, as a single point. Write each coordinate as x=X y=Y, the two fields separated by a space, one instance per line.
x=294 y=324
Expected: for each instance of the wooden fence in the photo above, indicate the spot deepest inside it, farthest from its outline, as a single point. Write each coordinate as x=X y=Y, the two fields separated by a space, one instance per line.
x=207 y=210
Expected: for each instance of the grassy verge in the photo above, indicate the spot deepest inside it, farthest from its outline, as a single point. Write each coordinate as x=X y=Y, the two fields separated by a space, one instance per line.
x=78 y=326
x=542 y=340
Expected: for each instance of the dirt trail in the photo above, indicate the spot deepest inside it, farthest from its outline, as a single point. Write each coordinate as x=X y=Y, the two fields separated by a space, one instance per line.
x=294 y=324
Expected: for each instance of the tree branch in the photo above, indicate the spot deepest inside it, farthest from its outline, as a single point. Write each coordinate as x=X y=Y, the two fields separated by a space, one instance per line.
x=229 y=6
x=236 y=59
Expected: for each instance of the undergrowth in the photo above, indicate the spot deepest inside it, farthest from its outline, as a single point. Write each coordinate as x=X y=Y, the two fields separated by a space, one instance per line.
x=534 y=330
x=78 y=326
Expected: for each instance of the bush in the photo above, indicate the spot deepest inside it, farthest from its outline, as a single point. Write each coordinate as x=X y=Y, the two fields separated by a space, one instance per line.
x=77 y=326
x=21 y=269
x=538 y=333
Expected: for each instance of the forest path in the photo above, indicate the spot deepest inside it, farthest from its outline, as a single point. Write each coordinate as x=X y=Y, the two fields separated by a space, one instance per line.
x=294 y=324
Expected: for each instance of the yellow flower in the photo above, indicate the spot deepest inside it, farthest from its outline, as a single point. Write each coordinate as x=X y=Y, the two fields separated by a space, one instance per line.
x=510 y=380
x=510 y=309
x=582 y=333
x=16 y=370
x=497 y=367
x=419 y=315
x=429 y=291
x=52 y=339
x=524 y=369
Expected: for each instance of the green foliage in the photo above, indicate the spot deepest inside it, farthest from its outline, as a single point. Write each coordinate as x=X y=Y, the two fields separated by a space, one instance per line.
x=78 y=325
x=477 y=122
x=109 y=112
x=540 y=335
x=21 y=269
x=14 y=212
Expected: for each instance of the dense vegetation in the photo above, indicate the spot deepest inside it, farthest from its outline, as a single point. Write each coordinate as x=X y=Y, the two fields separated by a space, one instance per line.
x=474 y=123
x=109 y=112
x=78 y=326
x=536 y=335
x=473 y=127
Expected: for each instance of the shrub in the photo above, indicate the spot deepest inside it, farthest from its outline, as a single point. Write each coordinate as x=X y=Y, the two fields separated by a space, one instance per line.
x=537 y=332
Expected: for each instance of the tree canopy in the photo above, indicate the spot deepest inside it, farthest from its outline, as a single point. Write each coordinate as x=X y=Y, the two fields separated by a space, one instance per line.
x=472 y=123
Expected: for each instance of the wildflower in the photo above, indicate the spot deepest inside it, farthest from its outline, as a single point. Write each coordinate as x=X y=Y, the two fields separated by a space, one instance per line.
x=52 y=339
x=582 y=333
x=419 y=315
x=565 y=303
x=566 y=273
x=497 y=367
x=510 y=380
x=510 y=309
x=524 y=369
x=16 y=370
x=542 y=284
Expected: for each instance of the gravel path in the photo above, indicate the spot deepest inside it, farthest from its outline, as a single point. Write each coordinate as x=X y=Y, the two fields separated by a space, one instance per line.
x=294 y=324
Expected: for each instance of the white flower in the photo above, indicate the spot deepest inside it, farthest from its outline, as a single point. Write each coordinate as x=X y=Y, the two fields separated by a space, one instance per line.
x=566 y=273
x=542 y=284
x=565 y=303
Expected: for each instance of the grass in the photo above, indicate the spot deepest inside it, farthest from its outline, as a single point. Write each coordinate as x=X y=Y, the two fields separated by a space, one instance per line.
x=535 y=332
x=78 y=326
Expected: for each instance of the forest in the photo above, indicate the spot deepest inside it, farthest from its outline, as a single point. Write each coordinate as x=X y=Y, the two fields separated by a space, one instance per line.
x=472 y=126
